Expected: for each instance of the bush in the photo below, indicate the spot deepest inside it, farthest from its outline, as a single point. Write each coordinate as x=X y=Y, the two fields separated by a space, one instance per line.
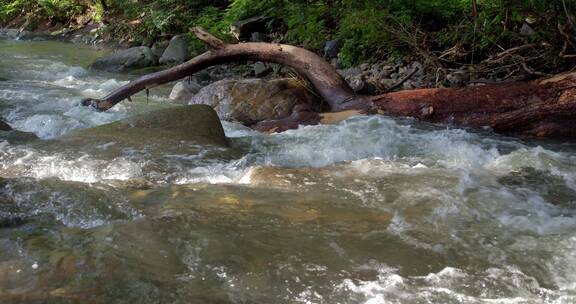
x=369 y=29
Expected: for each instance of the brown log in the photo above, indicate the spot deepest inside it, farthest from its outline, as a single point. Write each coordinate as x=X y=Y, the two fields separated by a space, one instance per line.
x=541 y=108
x=329 y=84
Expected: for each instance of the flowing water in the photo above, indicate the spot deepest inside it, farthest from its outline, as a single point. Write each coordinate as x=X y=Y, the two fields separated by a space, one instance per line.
x=371 y=210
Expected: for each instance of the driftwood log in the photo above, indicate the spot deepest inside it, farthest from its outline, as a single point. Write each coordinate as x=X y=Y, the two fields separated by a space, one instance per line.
x=540 y=108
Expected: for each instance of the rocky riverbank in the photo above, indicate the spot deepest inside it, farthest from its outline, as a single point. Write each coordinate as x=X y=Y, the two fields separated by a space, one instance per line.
x=249 y=92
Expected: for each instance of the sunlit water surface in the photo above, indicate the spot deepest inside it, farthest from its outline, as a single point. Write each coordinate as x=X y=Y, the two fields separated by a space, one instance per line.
x=371 y=210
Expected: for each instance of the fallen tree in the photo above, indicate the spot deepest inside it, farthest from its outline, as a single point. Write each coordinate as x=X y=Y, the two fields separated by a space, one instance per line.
x=540 y=108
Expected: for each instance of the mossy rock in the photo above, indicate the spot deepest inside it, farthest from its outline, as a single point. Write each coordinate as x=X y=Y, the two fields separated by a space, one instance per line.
x=171 y=128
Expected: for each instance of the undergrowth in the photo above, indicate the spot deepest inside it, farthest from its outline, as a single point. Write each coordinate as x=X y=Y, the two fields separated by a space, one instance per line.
x=457 y=31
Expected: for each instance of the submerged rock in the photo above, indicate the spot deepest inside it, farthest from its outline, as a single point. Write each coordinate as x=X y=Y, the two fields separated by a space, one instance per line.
x=124 y=60
x=4 y=126
x=253 y=100
x=197 y=124
x=15 y=136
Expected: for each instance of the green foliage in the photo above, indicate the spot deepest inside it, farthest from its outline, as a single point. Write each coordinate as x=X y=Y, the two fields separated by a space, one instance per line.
x=307 y=24
x=61 y=9
x=10 y=9
x=369 y=29
x=54 y=10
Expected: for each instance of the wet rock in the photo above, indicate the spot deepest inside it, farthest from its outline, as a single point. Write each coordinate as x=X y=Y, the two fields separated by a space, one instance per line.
x=176 y=52
x=349 y=73
x=4 y=126
x=198 y=124
x=183 y=90
x=332 y=48
x=17 y=137
x=125 y=60
x=10 y=33
x=378 y=77
x=552 y=188
x=14 y=136
x=253 y=100
x=261 y=69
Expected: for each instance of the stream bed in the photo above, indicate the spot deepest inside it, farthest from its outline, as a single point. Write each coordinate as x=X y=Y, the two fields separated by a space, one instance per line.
x=370 y=210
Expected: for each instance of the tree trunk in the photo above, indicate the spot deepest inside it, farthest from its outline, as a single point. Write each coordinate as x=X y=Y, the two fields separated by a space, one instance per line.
x=542 y=108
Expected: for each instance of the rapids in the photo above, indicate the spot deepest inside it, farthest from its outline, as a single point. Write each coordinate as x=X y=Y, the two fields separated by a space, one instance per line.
x=371 y=210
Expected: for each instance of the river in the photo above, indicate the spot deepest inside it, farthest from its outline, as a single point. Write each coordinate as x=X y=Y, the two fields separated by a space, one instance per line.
x=371 y=210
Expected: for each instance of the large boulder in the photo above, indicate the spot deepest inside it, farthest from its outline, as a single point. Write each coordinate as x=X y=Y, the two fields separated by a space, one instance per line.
x=170 y=129
x=125 y=60
x=176 y=52
x=253 y=100
x=14 y=136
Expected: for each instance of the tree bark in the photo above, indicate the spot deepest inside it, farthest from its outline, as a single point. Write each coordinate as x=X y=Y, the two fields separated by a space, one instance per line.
x=542 y=108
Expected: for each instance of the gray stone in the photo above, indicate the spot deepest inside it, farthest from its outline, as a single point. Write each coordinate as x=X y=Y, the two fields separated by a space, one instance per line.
x=253 y=100
x=11 y=33
x=332 y=48
x=261 y=69
x=176 y=52
x=183 y=90
x=526 y=30
x=158 y=48
x=363 y=87
x=125 y=60
x=457 y=78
